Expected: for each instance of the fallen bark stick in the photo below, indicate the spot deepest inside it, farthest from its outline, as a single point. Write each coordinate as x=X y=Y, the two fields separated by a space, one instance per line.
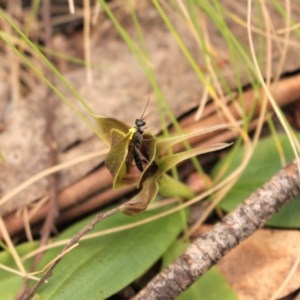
x=209 y=248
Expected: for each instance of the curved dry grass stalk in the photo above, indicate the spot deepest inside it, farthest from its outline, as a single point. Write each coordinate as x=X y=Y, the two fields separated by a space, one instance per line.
x=288 y=278
x=294 y=142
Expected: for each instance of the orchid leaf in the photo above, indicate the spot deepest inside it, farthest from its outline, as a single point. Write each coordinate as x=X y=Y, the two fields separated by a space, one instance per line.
x=169 y=161
x=140 y=202
x=116 y=157
x=165 y=143
x=170 y=187
x=101 y=267
x=105 y=126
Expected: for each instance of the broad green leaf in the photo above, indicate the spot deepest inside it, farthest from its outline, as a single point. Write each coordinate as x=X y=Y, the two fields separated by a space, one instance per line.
x=10 y=283
x=170 y=161
x=170 y=187
x=106 y=124
x=264 y=163
x=100 y=267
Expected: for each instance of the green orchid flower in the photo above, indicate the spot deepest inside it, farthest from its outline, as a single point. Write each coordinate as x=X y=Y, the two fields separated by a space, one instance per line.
x=130 y=146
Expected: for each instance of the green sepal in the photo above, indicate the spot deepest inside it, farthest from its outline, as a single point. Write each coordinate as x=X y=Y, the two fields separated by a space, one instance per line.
x=105 y=126
x=170 y=161
x=117 y=156
x=164 y=143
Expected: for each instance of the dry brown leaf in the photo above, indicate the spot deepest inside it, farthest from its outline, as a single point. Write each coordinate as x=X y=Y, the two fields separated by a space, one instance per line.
x=259 y=265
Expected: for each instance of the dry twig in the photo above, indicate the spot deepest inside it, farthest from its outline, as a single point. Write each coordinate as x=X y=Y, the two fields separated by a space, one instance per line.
x=208 y=249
